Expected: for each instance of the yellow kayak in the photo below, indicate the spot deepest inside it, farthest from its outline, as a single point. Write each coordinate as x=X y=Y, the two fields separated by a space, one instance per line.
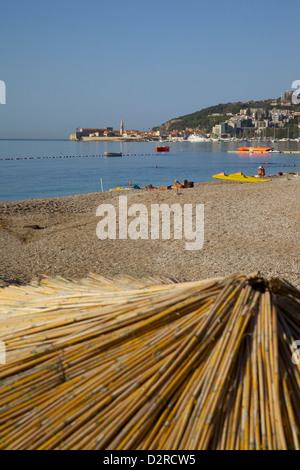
x=240 y=177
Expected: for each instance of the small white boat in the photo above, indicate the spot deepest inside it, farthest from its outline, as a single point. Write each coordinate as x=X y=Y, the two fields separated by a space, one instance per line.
x=113 y=154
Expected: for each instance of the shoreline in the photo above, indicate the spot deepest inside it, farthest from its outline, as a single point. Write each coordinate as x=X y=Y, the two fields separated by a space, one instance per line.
x=248 y=227
x=119 y=192
x=138 y=191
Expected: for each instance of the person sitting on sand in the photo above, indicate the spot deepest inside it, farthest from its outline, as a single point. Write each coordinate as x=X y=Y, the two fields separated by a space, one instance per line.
x=261 y=171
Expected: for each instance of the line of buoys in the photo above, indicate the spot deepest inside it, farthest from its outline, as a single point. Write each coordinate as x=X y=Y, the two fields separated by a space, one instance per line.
x=79 y=156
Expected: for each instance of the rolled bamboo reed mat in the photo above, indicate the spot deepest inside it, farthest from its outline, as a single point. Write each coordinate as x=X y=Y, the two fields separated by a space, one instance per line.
x=150 y=364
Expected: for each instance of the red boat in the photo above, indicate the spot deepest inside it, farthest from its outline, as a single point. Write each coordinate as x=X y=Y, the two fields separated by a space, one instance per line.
x=164 y=148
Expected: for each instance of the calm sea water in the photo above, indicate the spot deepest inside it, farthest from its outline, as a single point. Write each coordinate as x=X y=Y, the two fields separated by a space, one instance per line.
x=54 y=177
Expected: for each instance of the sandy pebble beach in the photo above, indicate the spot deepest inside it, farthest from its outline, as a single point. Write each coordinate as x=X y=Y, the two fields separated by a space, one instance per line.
x=248 y=227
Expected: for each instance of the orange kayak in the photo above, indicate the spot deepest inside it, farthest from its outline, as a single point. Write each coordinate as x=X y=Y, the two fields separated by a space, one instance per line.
x=254 y=149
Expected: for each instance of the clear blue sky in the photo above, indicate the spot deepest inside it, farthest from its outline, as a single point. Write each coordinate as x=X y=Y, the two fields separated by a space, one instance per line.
x=69 y=64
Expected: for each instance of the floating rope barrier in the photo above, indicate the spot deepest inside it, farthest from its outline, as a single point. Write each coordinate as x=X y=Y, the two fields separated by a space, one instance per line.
x=78 y=156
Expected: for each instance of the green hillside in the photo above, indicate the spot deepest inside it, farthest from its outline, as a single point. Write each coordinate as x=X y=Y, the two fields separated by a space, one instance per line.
x=204 y=120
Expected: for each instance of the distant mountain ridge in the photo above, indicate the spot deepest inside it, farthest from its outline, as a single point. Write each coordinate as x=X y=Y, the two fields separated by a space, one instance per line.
x=206 y=118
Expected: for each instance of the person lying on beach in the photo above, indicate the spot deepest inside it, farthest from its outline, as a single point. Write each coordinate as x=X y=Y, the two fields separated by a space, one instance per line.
x=176 y=185
x=185 y=184
x=188 y=184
